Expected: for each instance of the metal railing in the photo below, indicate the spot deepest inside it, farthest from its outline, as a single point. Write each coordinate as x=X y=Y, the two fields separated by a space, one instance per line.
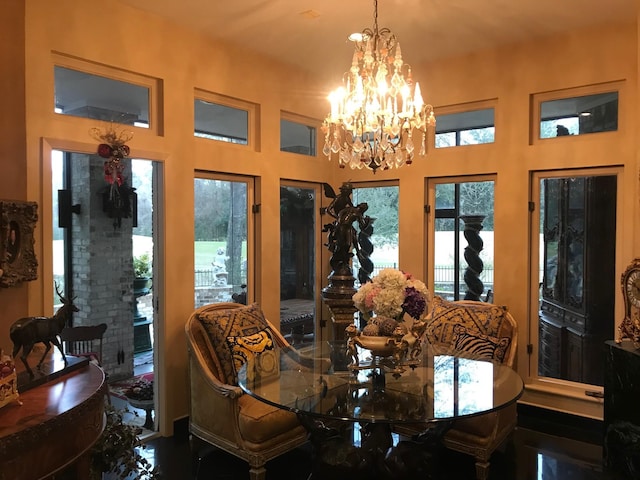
x=204 y=278
x=444 y=276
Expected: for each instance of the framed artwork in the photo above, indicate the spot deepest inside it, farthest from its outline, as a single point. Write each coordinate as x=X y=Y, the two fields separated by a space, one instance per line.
x=18 y=261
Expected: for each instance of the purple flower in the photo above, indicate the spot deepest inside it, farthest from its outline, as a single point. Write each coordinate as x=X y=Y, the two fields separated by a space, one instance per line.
x=414 y=303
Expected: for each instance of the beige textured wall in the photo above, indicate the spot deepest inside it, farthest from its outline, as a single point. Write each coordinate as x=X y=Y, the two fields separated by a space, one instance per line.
x=13 y=139
x=105 y=32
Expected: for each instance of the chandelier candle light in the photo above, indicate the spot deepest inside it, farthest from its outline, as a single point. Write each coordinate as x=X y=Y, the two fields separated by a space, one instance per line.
x=374 y=115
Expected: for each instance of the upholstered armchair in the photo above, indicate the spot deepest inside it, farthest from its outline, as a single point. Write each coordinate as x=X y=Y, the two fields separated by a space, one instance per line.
x=220 y=338
x=489 y=331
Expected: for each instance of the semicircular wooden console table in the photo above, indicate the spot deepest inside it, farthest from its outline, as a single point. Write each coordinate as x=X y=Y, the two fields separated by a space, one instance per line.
x=54 y=428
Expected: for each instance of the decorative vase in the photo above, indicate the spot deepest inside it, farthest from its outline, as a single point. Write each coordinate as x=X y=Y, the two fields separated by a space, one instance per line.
x=147 y=406
x=380 y=346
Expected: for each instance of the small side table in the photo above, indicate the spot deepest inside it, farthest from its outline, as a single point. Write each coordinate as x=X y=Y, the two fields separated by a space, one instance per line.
x=147 y=406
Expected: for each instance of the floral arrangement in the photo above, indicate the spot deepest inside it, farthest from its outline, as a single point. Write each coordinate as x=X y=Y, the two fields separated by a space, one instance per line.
x=386 y=299
x=140 y=390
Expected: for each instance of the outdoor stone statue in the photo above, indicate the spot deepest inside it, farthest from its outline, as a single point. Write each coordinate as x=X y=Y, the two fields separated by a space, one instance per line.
x=220 y=268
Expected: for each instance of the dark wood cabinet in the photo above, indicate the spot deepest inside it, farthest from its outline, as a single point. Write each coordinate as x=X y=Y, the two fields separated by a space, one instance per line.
x=621 y=449
x=550 y=346
x=578 y=286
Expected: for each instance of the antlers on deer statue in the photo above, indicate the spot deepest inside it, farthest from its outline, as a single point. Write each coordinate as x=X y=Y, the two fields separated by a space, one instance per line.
x=26 y=332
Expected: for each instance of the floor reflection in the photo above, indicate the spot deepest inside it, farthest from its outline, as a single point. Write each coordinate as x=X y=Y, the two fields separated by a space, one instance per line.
x=528 y=455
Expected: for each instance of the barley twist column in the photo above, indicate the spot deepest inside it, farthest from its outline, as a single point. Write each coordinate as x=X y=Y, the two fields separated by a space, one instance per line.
x=472 y=227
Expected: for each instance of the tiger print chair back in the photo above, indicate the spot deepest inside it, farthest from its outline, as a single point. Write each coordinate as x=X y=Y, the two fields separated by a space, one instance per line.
x=480 y=328
x=489 y=331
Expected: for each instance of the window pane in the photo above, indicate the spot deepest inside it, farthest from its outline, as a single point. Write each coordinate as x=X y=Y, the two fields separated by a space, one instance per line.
x=297 y=263
x=445 y=140
x=221 y=122
x=57 y=183
x=383 y=207
x=477 y=136
x=445 y=195
x=578 y=288
x=91 y=96
x=465 y=128
x=559 y=127
x=220 y=241
x=297 y=138
x=464 y=264
x=579 y=115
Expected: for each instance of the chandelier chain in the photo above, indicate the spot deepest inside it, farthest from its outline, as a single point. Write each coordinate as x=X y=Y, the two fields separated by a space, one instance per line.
x=375 y=17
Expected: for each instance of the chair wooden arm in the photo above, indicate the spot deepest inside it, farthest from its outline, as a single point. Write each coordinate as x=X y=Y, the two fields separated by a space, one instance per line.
x=221 y=388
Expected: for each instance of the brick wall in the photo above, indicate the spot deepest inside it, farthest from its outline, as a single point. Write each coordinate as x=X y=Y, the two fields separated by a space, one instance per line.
x=102 y=267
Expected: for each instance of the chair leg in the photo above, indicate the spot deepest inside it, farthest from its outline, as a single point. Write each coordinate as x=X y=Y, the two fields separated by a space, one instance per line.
x=482 y=469
x=257 y=472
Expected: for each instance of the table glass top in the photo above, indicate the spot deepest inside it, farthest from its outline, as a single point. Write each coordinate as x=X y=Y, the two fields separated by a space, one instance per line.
x=442 y=387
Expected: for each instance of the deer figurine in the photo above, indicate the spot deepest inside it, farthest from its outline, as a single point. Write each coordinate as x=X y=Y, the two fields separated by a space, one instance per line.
x=26 y=332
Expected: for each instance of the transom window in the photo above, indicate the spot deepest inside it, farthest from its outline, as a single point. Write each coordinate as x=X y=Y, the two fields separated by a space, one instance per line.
x=87 y=95
x=297 y=135
x=465 y=128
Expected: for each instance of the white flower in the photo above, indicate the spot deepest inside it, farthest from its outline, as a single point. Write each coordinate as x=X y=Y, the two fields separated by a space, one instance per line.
x=385 y=295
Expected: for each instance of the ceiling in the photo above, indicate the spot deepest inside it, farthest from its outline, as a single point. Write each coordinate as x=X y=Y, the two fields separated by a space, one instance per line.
x=312 y=34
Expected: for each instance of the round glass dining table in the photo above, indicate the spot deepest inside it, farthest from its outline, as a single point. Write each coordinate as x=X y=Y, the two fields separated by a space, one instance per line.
x=431 y=394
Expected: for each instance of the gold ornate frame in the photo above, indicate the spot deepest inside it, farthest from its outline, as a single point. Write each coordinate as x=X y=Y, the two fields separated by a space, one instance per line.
x=18 y=261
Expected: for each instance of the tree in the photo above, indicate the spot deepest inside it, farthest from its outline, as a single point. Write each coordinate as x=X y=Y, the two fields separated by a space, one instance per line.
x=236 y=230
x=142 y=181
x=383 y=208
x=476 y=198
x=211 y=215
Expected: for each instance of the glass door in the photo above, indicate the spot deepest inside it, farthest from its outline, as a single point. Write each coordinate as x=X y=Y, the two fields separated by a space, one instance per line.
x=463 y=244
x=382 y=203
x=222 y=230
x=98 y=253
x=576 y=222
x=298 y=262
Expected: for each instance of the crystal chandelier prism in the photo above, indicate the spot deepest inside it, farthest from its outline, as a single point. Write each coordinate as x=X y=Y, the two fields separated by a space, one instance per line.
x=377 y=113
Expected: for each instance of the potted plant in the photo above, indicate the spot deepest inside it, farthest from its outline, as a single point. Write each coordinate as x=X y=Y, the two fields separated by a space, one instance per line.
x=142 y=266
x=141 y=274
x=116 y=453
x=140 y=395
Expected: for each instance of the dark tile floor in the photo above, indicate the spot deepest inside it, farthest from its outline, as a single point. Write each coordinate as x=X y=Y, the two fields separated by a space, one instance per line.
x=535 y=451
x=544 y=446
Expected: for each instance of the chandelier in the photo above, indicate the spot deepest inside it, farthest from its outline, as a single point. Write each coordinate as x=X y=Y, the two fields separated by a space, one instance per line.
x=375 y=114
